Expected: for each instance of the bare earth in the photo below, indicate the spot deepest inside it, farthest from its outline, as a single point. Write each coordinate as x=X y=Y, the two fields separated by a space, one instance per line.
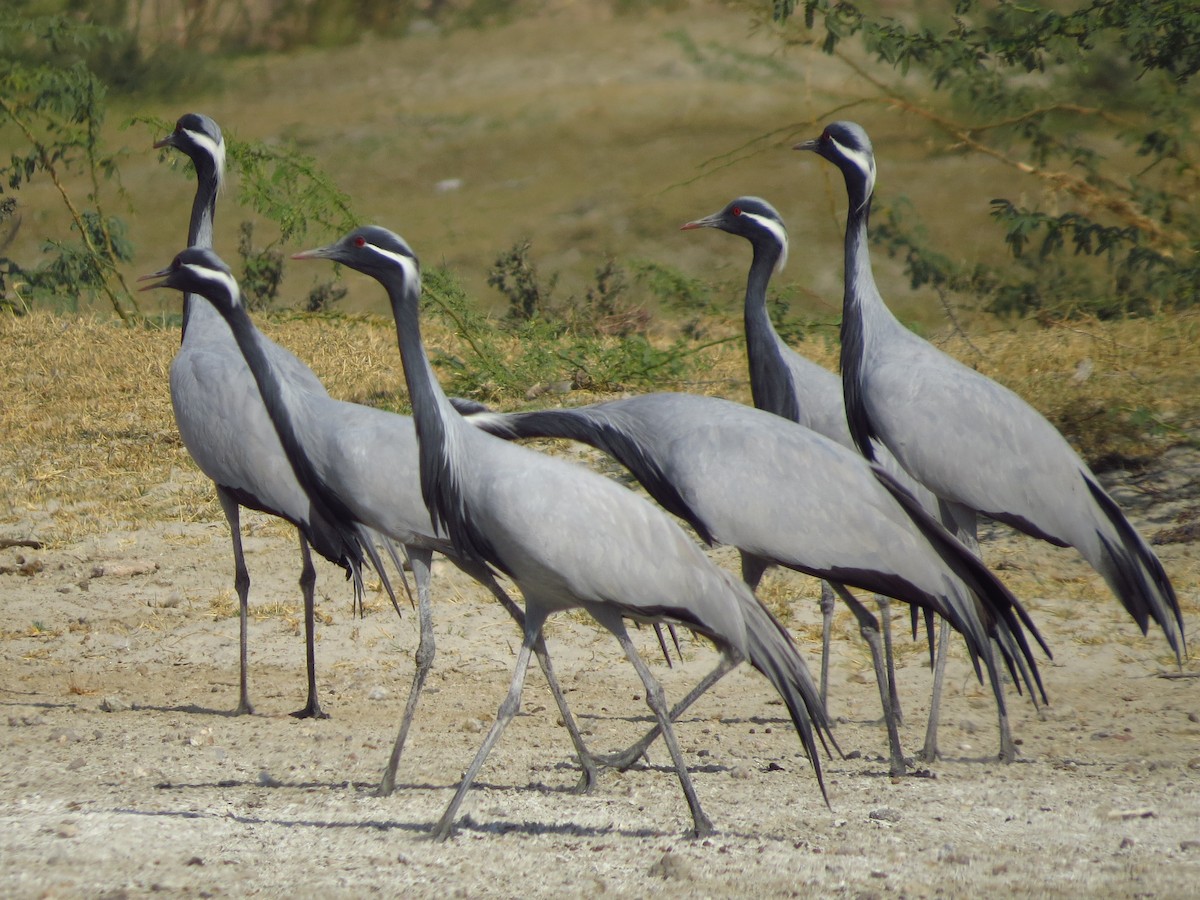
x=123 y=772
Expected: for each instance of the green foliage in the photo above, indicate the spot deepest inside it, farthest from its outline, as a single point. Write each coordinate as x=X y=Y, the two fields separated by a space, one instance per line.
x=1018 y=83
x=56 y=110
x=262 y=270
x=515 y=276
x=289 y=190
x=593 y=344
x=130 y=60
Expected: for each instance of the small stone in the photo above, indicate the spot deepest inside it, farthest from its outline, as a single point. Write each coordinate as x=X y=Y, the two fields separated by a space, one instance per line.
x=1143 y=812
x=113 y=704
x=378 y=693
x=671 y=867
x=1193 y=717
x=741 y=773
x=1190 y=844
x=1194 y=762
x=67 y=830
x=472 y=726
x=195 y=861
x=266 y=779
x=947 y=854
x=77 y=763
x=1126 y=843
x=884 y=814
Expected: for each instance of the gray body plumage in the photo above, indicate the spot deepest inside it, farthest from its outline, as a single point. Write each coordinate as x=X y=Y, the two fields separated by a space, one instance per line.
x=220 y=413
x=569 y=537
x=787 y=495
x=968 y=439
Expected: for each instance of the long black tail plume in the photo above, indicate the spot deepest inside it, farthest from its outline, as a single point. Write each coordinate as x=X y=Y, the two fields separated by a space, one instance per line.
x=1137 y=577
x=773 y=653
x=1008 y=619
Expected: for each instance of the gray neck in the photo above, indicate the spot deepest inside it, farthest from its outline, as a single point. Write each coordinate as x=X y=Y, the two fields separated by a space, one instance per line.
x=200 y=234
x=441 y=432
x=862 y=311
x=770 y=378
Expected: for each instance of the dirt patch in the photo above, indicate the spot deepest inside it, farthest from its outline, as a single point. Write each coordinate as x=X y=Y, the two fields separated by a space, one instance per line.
x=123 y=771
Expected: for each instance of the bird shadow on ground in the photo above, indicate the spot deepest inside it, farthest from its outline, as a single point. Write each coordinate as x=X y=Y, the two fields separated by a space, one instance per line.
x=192 y=709
x=466 y=823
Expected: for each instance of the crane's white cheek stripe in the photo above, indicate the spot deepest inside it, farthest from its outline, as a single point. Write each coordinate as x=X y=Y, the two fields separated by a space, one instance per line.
x=780 y=233
x=411 y=274
x=213 y=148
x=224 y=279
x=864 y=161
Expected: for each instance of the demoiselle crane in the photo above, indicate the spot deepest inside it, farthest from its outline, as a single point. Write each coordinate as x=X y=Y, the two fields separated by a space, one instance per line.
x=968 y=439
x=786 y=495
x=571 y=538
x=225 y=427
x=790 y=385
x=358 y=469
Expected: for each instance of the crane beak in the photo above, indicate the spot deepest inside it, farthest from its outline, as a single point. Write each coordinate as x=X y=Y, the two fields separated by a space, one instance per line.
x=807 y=145
x=163 y=273
x=706 y=222
x=315 y=253
x=168 y=141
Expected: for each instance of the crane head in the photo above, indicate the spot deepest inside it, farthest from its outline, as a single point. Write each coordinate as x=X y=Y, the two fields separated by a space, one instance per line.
x=752 y=218
x=198 y=270
x=846 y=145
x=200 y=138
x=374 y=251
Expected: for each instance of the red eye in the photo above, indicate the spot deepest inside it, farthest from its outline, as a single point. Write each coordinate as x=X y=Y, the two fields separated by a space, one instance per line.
x=737 y=210
x=360 y=241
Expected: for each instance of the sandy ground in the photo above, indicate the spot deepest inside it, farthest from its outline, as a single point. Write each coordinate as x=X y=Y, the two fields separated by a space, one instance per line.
x=123 y=772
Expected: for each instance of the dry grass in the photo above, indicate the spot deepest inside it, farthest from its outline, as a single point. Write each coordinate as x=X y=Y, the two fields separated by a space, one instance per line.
x=90 y=444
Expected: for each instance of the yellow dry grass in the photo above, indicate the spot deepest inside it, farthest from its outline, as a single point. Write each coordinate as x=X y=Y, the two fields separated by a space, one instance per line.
x=90 y=445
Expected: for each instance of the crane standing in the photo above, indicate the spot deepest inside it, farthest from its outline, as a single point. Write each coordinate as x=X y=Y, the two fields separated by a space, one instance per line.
x=229 y=432
x=971 y=441
x=224 y=425
x=571 y=538
x=786 y=495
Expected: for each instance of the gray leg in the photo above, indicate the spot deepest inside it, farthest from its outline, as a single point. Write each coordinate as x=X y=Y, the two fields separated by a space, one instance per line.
x=701 y=826
x=885 y=618
x=868 y=627
x=626 y=758
x=421 y=562
x=241 y=584
x=827 y=602
x=534 y=619
x=590 y=774
x=963 y=522
x=929 y=753
x=308 y=581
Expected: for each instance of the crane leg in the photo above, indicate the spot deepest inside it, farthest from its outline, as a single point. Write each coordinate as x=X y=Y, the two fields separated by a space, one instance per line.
x=929 y=753
x=534 y=619
x=626 y=758
x=963 y=522
x=885 y=618
x=421 y=562
x=590 y=774
x=868 y=627
x=308 y=582
x=241 y=584
x=827 y=604
x=656 y=700
x=1008 y=749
